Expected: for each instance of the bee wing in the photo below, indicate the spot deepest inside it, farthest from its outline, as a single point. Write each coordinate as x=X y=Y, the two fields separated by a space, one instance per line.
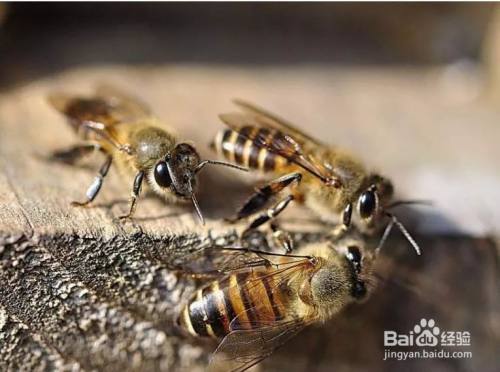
x=259 y=313
x=235 y=260
x=80 y=110
x=219 y=265
x=219 y=261
x=276 y=122
x=259 y=330
x=244 y=348
x=107 y=107
x=291 y=144
x=129 y=106
x=101 y=113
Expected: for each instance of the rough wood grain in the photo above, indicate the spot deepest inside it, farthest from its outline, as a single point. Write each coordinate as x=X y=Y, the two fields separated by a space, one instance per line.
x=81 y=291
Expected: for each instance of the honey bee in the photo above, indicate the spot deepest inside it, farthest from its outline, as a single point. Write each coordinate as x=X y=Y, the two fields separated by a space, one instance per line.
x=258 y=305
x=330 y=181
x=126 y=132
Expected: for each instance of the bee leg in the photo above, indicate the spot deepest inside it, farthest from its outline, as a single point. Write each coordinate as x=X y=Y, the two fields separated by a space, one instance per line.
x=136 y=190
x=95 y=187
x=263 y=194
x=279 y=235
x=99 y=129
x=282 y=238
x=72 y=154
x=271 y=213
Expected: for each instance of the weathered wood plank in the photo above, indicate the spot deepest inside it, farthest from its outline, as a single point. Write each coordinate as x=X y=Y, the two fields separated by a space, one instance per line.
x=71 y=318
x=23 y=350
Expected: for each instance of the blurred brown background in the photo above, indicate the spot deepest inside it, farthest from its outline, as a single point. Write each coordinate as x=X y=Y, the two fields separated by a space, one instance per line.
x=411 y=88
x=37 y=39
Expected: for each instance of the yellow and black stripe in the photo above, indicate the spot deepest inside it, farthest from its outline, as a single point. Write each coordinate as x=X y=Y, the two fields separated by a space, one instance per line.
x=240 y=300
x=242 y=148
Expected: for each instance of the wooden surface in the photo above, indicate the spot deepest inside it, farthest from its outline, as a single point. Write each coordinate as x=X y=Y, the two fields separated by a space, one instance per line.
x=80 y=290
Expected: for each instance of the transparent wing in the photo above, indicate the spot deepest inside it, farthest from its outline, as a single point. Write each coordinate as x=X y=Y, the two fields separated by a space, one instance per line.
x=99 y=114
x=270 y=317
x=80 y=110
x=108 y=107
x=278 y=140
x=244 y=348
x=218 y=261
x=276 y=122
x=129 y=106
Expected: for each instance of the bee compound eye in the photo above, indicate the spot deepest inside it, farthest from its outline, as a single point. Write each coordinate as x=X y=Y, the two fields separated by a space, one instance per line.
x=162 y=175
x=367 y=204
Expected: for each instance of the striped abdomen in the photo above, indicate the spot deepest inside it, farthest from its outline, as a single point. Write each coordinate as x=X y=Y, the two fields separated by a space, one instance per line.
x=248 y=296
x=236 y=147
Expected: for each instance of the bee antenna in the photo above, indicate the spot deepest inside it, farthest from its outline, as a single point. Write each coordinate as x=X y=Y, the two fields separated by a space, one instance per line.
x=216 y=162
x=197 y=208
x=395 y=221
x=397 y=203
x=386 y=233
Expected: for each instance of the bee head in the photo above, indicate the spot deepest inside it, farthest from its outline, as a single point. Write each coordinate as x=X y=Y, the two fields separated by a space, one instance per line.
x=178 y=170
x=374 y=204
